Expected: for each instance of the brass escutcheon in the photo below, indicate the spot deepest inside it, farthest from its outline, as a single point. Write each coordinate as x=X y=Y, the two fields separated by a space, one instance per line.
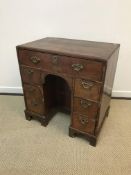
x=30 y=71
x=55 y=59
x=83 y=119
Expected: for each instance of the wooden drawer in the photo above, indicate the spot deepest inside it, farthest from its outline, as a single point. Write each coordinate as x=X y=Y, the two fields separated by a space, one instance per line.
x=87 y=89
x=34 y=99
x=91 y=70
x=47 y=62
x=30 y=75
x=83 y=123
x=57 y=64
x=30 y=58
x=74 y=67
x=85 y=107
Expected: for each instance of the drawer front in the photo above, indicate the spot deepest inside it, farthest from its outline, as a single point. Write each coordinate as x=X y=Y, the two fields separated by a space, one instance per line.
x=47 y=62
x=83 y=123
x=91 y=70
x=85 y=107
x=75 y=67
x=87 y=89
x=30 y=58
x=57 y=64
x=34 y=99
x=30 y=75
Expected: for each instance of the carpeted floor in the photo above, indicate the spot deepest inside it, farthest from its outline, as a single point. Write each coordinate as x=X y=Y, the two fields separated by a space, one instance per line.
x=27 y=148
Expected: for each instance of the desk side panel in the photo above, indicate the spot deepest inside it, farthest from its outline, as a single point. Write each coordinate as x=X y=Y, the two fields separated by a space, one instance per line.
x=107 y=89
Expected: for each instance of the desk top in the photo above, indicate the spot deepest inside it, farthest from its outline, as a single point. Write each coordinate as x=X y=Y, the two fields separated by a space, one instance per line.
x=71 y=47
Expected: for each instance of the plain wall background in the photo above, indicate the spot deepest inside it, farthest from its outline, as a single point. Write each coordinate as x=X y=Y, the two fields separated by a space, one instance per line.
x=103 y=20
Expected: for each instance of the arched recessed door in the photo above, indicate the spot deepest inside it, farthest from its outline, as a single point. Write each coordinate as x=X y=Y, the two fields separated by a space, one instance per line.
x=57 y=94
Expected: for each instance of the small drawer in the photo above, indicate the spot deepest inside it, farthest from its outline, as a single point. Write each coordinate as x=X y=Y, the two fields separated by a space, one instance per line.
x=57 y=64
x=87 y=89
x=83 y=123
x=85 y=107
x=30 y=75
x=88 y=69
x=47 y=62
x=31 y=58
x=34 y=98
x=74 y=67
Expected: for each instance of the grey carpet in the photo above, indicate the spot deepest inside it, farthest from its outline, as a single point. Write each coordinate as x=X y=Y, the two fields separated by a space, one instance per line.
x=27 y=148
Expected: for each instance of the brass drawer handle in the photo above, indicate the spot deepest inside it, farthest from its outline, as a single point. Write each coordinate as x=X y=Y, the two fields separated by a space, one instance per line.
x=77 y=67
x=35 y=59
x=85 y=103
x=55 y=59
x=87 y=84
x=83 y=119
x=30 y=71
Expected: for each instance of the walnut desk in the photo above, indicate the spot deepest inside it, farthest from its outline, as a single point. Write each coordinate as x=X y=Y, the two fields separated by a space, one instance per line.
x=69 y=75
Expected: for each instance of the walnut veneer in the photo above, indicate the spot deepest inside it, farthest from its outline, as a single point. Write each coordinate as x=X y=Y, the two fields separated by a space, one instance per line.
x=74 y=76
